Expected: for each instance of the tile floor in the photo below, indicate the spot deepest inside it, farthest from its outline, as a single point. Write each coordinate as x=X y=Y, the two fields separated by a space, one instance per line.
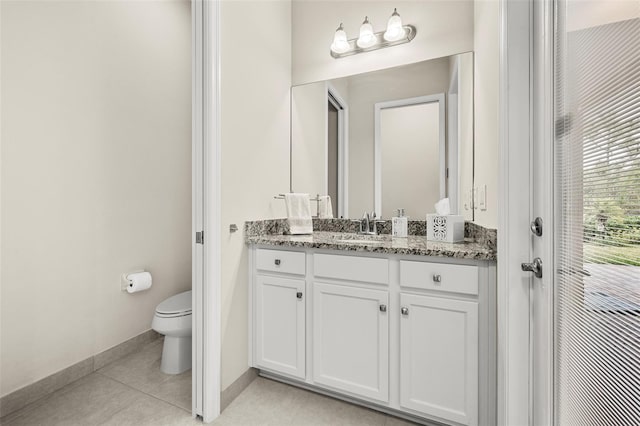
x=133 y=391
x=268 y=403
x=130 y=391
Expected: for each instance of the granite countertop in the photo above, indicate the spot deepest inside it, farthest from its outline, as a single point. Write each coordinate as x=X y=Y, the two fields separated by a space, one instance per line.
x=472 y=248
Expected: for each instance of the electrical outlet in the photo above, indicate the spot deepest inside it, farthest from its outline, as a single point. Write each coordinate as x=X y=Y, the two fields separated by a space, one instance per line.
x=482 y=198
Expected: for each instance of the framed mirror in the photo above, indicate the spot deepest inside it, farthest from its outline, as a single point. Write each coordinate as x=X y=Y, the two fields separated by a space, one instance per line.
x=388 y=139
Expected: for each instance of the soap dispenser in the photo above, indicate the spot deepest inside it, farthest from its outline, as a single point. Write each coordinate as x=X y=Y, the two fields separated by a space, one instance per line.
x=399 y=225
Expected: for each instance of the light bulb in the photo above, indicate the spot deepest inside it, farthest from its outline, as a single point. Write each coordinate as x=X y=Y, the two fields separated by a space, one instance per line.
x=340 y=43
x=395 y=31
x=367 y=38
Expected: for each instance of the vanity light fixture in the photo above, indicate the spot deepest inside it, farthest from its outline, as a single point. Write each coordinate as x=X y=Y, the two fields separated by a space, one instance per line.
x=367 y=37
x=368 y=40
x=394 y=27
x=340 y=43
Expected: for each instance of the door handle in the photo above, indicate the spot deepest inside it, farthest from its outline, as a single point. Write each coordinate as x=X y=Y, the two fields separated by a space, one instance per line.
x=404 y=311
x=535 y=267
x=299 y=295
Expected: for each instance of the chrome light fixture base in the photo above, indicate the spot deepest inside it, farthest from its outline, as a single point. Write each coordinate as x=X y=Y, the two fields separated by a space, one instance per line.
x=381 y=43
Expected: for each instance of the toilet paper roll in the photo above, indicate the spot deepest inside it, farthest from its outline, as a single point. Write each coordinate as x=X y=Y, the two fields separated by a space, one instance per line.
x=139 y=281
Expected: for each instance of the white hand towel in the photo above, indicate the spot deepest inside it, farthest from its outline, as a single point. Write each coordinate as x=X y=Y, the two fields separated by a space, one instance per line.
x=325 y=209
x=298 y=213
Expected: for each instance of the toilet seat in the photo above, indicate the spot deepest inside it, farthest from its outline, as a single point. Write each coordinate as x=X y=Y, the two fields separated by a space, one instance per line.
x=174 y=315
x=175 y=306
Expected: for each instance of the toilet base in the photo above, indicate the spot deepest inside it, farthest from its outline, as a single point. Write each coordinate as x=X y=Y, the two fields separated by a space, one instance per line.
x=176 y=355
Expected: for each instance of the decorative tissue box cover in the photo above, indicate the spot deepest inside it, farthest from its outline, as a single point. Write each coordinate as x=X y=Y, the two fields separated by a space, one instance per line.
x=449 y=228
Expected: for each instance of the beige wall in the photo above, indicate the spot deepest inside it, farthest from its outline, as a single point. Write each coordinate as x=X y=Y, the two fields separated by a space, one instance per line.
x=445 y=27
x=486 y=95
x=465 y=133
x=255 y=79
x=96 y=175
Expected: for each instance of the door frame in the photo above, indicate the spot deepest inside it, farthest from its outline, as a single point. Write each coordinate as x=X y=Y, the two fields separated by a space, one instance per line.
x=542 y=315
x=526 y=191
x=206 y=190
x=334 y=96
x=377 y=168
x=514 y=210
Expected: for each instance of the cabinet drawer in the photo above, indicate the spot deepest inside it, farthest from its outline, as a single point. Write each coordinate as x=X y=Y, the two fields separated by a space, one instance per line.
x=287 y=262
x=439 y=276
x=364 y=269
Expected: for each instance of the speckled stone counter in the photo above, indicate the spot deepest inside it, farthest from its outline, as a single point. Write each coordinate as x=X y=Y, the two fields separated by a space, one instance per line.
x=340 y=234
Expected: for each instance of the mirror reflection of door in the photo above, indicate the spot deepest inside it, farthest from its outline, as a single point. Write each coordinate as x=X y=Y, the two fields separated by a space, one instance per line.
x=410 y=150
x=333 y=152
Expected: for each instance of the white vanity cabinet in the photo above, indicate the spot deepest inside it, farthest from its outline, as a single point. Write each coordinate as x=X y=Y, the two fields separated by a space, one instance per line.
x=439 y=357
x=409 y=335
x=351 y=324
x=280 y=312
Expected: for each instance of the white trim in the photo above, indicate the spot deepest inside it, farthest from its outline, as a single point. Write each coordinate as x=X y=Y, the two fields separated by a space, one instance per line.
x=343 y=150
x=514 y=237
x=542 y=369
x=197 y=205
x=377 y=169
x=207 y=190
x=325 y=139
x=212 y=210
x=453 y=134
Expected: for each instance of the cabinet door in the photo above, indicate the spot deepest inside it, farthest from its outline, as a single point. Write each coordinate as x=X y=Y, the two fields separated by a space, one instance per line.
x=439 y=357
x=280 y=325
x=351 y=340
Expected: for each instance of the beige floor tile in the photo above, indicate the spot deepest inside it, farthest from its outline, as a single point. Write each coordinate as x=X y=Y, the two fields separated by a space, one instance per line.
x=147 y=411
x=270 y=403
x=395 y=421
x=90 y=401
x=263 y=403
x=141 y=371
x=133 y=391
x=36 y=392
x=319 y=410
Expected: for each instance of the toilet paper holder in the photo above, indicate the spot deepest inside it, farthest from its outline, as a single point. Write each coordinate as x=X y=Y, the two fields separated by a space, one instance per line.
x=124 y=281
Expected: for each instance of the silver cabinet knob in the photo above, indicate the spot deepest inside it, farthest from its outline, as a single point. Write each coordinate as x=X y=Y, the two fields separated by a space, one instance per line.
x=383 y=308
x=404 y=311
x=437 y=278
x=277 y=262
x=299 y=295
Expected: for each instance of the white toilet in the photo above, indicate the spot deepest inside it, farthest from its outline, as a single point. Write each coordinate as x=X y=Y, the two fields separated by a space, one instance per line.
x=173 y=319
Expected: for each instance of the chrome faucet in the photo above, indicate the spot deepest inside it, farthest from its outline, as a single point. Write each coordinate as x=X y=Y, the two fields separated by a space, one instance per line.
x=369 y=224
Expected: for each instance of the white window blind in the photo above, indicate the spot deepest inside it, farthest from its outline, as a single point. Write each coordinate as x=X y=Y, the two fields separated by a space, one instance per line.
x=597 y=254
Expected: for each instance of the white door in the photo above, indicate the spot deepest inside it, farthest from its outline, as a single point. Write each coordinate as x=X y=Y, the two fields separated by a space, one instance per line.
x=439 y=357
x=280 y=325
x=586 y=186
x=206 y=278
x=351 y=340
